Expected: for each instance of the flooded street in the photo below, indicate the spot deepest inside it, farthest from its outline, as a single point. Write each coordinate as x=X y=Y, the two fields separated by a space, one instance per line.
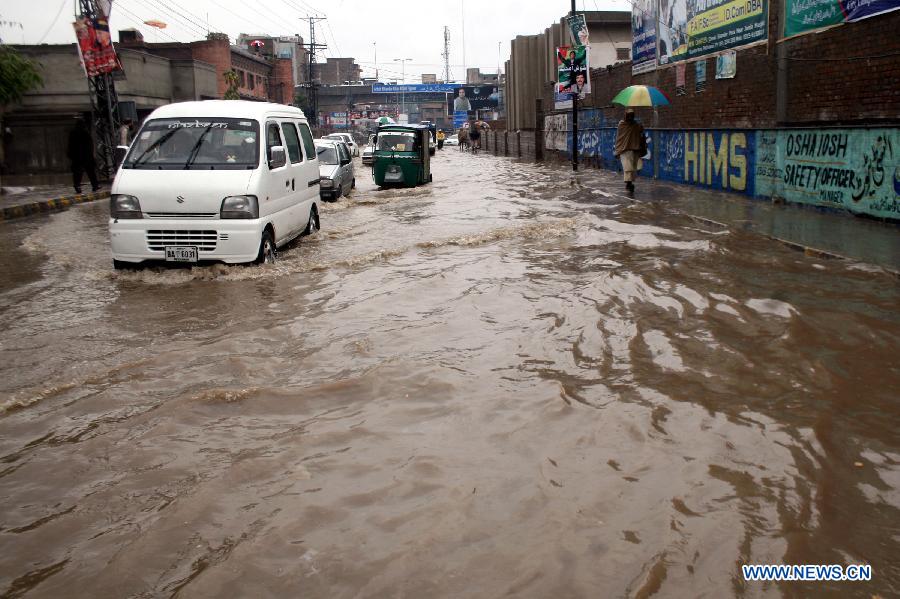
x=499 y=384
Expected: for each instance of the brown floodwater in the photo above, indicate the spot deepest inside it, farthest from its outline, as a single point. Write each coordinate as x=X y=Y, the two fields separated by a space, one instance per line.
x=501 y=384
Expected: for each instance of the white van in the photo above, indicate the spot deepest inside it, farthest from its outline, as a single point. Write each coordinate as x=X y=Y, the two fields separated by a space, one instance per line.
x=216 y=180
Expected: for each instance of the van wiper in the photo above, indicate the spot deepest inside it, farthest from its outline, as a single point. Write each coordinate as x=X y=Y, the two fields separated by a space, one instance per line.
x=152 y=147
x=196 y=149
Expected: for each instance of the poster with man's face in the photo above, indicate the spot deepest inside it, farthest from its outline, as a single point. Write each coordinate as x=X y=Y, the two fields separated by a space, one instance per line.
x=474 y=97
x=573 y=69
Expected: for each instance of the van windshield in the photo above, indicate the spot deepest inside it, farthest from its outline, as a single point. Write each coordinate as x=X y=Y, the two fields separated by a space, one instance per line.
x=202 y=144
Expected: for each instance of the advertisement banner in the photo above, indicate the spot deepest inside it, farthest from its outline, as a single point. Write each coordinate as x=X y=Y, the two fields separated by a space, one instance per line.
x=726 y=65
x=802 y=16
x=95 y=46
x=692 y=28
x=643 y=36
x=419 y=88
x=572 y=68
x=579 y=29
x=473 y=97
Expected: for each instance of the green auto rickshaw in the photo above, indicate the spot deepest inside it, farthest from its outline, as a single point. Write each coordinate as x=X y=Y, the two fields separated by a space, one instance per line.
x=401 y=156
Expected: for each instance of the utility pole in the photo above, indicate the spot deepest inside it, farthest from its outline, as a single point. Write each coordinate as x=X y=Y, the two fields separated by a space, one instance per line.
x=104 y=102
x=446 y=54
x=402 y=61
x=311 y=84
x=574 y=113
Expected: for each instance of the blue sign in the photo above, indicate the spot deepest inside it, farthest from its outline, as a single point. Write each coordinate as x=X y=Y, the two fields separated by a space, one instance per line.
x=422 y=88
x=459 y=118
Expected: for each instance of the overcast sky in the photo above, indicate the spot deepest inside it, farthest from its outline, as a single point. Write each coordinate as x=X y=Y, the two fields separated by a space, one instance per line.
x=399 y=28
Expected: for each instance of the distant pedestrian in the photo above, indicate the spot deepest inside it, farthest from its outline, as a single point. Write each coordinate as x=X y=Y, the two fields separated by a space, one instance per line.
x=440 y=139
x=81 y=155
x=630 y=146
x=125 y=132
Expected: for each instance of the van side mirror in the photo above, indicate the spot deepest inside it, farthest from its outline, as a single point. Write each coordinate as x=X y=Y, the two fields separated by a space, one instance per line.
x=346 y=161
x=277 y=157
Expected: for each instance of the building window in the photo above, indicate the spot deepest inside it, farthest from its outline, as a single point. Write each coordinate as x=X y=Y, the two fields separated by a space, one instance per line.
x=623 y=53
x=252 y=80
x=242 y=80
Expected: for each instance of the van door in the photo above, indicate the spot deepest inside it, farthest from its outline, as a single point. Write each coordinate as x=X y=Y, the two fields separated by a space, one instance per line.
x=299 y=208
x=310 y=165
x=346 y=159
x=276 y=186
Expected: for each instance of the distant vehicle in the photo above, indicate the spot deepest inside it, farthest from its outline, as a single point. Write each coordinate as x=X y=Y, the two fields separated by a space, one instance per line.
x=368 y=153
x=401 y=156
x=215 y=180
x=432 y=141
x=347 y=139
x=452 y=140
x=336 y=176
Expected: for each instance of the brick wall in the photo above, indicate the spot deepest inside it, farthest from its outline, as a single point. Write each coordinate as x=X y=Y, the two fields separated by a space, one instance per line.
x=846 y=91
x=216 y=52
x=282 y=81
x=817 y=92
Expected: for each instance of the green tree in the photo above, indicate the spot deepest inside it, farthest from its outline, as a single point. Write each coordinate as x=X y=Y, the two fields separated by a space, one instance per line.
x=231 y=79
x=18 y=75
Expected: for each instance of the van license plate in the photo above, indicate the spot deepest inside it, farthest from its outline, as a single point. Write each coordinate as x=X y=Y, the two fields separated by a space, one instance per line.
x=181 y=253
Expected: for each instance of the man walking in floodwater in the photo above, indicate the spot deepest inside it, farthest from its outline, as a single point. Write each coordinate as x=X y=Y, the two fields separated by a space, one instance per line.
x=81 y=155
x=630 y=146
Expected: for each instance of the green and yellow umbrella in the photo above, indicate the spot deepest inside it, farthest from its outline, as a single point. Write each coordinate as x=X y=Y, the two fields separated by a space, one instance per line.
x=640 y=95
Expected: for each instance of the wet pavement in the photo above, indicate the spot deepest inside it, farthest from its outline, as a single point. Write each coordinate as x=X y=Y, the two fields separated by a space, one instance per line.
x=499 y=384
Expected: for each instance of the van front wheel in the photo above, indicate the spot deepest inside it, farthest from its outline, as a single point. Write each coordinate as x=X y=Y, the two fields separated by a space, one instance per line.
x=313 y=225
x=267 y=251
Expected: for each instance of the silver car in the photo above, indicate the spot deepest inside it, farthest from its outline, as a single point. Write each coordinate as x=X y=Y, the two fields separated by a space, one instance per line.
x=368 y=153
x=336 y=176
x=347 y=139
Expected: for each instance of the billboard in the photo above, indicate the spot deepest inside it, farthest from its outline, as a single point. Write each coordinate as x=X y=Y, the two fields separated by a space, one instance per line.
x=667 y=31
x=467 y=98
x=419 y=88
x=572 y=68
x=802 y=16
x=643 y=36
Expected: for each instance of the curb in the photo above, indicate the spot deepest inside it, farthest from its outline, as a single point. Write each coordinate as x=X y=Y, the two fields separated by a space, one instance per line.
x=806 y=249
x=52 y=205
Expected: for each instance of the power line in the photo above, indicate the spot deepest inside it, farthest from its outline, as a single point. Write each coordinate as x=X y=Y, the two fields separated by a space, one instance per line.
x=136 y=20
x=52 y=23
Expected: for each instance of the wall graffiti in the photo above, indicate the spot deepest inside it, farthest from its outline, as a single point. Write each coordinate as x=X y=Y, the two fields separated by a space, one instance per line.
x=555 y=127
x=717 y=159
x=851 y=169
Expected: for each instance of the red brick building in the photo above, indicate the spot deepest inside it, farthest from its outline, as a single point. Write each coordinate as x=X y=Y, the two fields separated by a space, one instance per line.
x=258 y=77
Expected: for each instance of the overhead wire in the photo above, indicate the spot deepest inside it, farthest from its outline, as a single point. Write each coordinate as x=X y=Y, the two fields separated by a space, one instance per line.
x=188 y=25
x=53 y=22
x=137 y=20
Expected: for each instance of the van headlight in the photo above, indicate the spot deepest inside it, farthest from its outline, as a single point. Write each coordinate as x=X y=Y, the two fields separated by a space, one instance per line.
x=239 y=207
x=124 y=206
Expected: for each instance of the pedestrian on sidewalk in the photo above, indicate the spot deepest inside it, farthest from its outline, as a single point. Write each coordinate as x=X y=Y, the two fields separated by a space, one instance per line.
x=630 y=146
x=125 y=130
x=440 y=139
x=81 y=155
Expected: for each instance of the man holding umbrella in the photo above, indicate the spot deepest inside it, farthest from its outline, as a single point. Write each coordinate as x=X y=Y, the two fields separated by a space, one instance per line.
x=630 y=146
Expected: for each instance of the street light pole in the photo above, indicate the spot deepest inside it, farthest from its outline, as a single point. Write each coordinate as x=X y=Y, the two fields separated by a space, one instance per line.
x=402 y=62
x=574 y=112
